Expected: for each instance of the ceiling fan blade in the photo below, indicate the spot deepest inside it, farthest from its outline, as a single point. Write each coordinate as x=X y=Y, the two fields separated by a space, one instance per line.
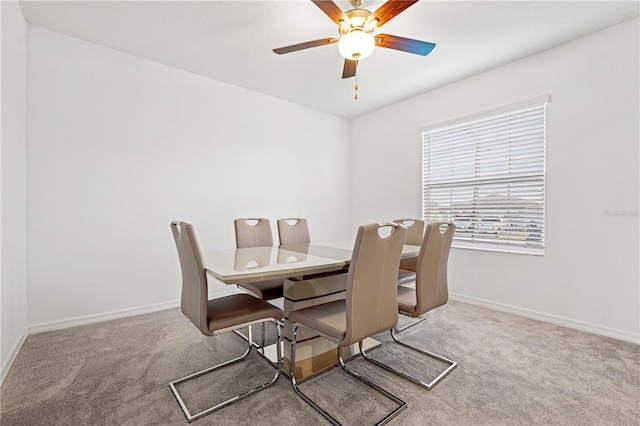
x=305 y=45
x=349 y=69
x=390 y=9
x=331 y=10
x=404 y=44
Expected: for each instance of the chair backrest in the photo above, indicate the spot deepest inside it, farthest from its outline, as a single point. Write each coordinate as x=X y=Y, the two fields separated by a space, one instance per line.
x=194 y=300
x=372 y=289
x=431 y=276
x=415 y=230
x=256 y=235
x=296 y=233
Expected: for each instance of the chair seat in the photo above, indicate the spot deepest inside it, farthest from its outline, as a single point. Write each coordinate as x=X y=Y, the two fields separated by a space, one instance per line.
x=407 y=301
x=265 y=290
x=231 y=311
x=405 y=277
x=327 y=318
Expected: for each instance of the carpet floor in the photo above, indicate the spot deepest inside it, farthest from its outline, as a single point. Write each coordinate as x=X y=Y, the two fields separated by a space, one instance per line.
x=512 y=371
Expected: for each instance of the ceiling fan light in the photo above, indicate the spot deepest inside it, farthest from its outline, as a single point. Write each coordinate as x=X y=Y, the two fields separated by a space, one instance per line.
x=356 y=45
x=357 y=21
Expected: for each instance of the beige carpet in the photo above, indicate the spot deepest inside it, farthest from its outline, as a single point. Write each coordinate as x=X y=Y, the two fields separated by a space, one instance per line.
x=512 y=371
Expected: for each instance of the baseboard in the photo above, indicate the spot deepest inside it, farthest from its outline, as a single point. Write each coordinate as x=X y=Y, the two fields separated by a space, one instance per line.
x=88 y=319
x=553 y=319
x=12 y=356
x=105 y=316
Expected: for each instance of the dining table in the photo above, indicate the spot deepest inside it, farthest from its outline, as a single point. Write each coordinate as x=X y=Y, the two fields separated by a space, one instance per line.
x=300 y=266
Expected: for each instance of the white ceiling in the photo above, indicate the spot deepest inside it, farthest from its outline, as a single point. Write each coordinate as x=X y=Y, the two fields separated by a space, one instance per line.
x=231 y=41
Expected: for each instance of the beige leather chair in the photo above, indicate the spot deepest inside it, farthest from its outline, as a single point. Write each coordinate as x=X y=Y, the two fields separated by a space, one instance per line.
x=370 y=306
x=431 y=291
x=216 y=316
x=257 y=235
x=415 y=230
x=293 y=233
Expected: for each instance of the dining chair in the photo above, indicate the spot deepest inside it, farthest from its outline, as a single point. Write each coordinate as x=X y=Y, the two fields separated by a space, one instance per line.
x=369 y=308
x=431 y=291
x=293 y=233
x=408 y=266
x=257 y=233
x=213 y=317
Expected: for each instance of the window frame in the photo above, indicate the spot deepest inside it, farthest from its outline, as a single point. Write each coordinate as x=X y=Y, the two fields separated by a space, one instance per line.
x=519 y=225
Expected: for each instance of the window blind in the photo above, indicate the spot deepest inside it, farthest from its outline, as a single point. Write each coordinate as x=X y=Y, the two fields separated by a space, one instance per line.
x=487 y=175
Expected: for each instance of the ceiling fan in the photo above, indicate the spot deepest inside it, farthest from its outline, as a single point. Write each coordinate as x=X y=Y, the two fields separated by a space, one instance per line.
x=356 y=28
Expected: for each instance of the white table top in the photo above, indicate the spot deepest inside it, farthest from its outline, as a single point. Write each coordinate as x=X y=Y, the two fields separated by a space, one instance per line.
x=340 y=250
x=237 y=266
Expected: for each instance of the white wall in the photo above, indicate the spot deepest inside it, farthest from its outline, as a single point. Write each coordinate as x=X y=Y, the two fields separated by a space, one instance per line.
x=13 y=293
x=119 y=146
x=588 y=278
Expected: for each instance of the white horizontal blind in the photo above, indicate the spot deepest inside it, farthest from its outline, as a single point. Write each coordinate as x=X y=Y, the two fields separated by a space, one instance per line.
x=487 y=176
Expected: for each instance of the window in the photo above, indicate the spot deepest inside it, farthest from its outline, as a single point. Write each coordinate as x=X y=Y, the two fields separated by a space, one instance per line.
x=486 y=174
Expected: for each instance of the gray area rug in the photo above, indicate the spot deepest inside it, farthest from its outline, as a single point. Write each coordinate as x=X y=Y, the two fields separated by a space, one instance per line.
x=512 y=371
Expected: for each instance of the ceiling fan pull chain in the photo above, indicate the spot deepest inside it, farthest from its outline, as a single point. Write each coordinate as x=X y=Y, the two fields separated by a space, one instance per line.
x=356 y=94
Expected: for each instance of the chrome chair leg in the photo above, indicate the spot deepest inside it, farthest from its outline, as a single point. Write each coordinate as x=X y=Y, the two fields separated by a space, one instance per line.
x=401 y=403
x=244 y=337
x=255 y=344
x=260 y=348
x=429 y=385
x=192 y=417
x=411 y=324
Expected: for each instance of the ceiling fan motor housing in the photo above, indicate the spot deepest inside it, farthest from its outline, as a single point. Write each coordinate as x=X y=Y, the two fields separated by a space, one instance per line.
x=357 y=20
